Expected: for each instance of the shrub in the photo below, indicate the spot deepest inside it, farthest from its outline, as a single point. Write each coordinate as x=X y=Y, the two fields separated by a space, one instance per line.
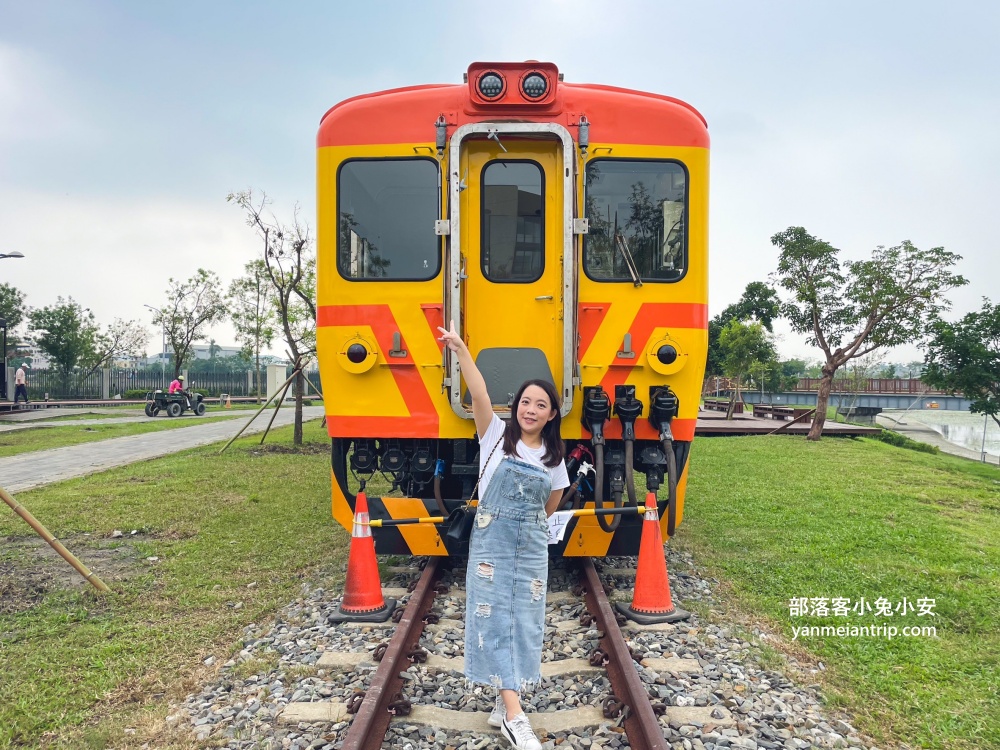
x=135 y=394
x=901 y=441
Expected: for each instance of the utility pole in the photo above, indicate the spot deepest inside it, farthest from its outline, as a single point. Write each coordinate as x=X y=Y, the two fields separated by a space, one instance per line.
x=163 y=350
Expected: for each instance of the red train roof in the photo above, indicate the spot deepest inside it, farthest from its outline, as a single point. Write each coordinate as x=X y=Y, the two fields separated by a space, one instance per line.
x=616 y=115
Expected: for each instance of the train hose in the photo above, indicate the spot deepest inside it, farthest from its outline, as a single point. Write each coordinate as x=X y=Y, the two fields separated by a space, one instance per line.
x=606 y=523
x=437 y=496
x=629 y=475
x=438 y=476
x=668 y=451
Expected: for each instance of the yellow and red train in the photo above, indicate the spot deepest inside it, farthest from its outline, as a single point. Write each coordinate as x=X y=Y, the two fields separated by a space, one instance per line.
x=563 y=227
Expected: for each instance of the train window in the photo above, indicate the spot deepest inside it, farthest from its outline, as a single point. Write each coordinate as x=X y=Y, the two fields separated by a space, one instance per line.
x=387 y=209
x=638 y=216
x=513 y=221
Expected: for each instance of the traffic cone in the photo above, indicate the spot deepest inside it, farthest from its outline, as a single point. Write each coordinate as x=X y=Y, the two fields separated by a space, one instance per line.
x=362 y=601
x=229 y=401
x=651 y=601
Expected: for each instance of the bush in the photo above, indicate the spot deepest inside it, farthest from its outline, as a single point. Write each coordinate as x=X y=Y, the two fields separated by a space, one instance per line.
x=901 y=441
x=134 y=395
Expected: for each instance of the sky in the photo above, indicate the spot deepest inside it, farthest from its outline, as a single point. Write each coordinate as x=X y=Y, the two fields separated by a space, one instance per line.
x=124 y=125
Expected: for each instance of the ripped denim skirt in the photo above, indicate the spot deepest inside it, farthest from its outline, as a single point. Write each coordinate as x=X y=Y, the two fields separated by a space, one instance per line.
x=506 y=580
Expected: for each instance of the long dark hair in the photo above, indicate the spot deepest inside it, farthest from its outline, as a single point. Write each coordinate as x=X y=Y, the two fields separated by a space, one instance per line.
x=551 y=439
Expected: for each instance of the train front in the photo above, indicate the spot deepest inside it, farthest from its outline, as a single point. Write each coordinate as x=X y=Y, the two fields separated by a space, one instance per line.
x=563 y=227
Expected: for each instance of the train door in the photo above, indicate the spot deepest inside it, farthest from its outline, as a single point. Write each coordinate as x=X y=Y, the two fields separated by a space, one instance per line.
x=512 y=258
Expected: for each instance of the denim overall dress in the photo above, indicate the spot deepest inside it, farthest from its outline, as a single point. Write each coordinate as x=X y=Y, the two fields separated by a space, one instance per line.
x=506 y=580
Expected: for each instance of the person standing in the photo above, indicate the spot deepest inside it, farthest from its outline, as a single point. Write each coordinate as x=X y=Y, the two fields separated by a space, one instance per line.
x=21 y=382
x=522 y=477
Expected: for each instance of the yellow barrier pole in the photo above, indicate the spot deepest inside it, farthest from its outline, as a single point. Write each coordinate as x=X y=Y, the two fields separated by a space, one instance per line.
x=379 y=523
x=68 y=556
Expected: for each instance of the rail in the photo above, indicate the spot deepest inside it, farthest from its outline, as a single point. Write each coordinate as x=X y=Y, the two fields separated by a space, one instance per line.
x=641 y=725
x=372 y=719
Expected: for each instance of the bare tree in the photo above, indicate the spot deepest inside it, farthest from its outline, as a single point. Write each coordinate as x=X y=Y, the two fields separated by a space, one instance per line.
x=192 y=307
x=122 y=338
x=290 y=261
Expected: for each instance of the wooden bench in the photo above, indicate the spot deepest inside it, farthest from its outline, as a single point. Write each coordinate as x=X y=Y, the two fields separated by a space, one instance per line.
x=780 y=412
x=722 y=404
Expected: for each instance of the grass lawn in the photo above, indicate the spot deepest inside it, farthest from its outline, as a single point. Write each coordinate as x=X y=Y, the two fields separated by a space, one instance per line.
x=778 y=518
x=234 y=535
x=42 y=438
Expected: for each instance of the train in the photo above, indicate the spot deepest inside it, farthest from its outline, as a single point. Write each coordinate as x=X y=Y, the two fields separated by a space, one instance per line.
x=563 y=227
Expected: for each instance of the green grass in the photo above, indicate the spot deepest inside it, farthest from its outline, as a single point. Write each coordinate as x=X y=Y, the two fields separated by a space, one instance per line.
x=780 y=517
x=76 y=668
x=40 y=438
x=772 y=517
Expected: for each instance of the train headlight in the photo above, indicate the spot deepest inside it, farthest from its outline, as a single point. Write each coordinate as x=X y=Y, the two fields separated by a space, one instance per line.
x=491 y=85
x=665 y=355
x=534 y=85
x=357 y=354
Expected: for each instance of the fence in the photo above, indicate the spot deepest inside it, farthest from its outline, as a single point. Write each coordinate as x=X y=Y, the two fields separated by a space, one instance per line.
x=871 y=385
x=104 y=384
x=888 y=386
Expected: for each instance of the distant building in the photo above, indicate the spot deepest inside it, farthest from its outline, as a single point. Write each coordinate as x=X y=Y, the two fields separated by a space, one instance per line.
x=203 y=351
x=31 y=354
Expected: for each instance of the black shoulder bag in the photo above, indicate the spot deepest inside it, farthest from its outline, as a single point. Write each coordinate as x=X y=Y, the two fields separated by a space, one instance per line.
x=461 y=519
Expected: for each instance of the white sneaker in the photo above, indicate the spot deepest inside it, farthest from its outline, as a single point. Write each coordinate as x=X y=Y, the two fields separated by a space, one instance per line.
x=499 y=713
x=519 y=733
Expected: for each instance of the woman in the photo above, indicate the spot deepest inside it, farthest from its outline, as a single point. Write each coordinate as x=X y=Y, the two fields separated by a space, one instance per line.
x=522 y=477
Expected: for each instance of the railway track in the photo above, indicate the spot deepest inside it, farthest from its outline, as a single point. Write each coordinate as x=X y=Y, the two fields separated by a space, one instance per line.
x=303 y=684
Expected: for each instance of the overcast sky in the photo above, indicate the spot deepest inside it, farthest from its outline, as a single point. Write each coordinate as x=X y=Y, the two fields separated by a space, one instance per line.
x=123 y=125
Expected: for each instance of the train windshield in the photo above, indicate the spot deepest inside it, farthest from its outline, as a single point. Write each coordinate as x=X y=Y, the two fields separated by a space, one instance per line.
x=637 y=215
x=386 y=210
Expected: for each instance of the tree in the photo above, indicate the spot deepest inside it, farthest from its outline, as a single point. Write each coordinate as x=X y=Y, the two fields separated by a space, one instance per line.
x=122 y=338
x=759 y=302
x=849 y=312
x=67 y=333
x=251 y=304
x=12 y=311
x=192 y=307
x=290 y=261
x=965 y=357
x=744 y=347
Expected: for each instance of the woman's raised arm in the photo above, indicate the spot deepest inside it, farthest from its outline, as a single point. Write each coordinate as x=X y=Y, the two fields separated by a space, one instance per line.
x=482 y=406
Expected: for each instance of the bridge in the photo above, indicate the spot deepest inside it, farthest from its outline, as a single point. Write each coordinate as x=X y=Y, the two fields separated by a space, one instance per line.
x=865 y=394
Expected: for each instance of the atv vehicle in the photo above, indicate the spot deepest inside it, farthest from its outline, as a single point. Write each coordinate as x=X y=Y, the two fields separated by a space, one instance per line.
x=174 y=404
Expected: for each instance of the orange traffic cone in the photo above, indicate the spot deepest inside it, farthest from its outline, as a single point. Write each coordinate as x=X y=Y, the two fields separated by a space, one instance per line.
x=229 y=401
x=651 y=601
x=363 y=601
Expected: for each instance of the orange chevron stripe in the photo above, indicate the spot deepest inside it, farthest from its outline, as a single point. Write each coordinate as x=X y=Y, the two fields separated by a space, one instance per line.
x=652 y=315
x=589 y=319
x=423 y=419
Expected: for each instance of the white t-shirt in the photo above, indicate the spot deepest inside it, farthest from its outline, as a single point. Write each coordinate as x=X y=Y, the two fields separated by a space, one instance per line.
x=534 y=456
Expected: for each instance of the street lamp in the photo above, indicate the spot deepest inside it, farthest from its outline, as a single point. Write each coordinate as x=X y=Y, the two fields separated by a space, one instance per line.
x=14 y=254
x=163 y=351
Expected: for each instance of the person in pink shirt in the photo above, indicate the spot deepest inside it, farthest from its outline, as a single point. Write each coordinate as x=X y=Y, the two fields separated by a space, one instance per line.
x=177 y=385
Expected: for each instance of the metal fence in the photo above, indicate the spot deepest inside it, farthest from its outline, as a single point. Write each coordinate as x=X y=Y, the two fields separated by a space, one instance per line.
x=49 y=384
x=870 y=385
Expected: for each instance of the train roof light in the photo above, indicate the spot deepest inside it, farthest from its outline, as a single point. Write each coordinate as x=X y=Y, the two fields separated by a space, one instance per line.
x=510 y=85
x=534 y=85
x=491 y=85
